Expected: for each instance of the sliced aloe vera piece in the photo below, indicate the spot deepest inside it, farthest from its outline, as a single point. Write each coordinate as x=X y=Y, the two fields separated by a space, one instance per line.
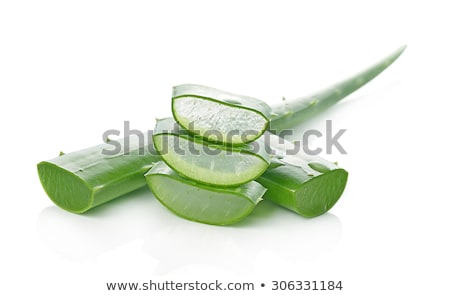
x=84 y=179
x=219 y=116
x=205 y=162
x=200 y=202
x=308 y=185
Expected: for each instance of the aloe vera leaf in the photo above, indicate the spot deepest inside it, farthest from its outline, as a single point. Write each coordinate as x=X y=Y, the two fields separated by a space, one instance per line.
x=208 y=163
x=219 y=116
x=64 y=186
x=84 y=179
x=200 y=202
x=292 y=113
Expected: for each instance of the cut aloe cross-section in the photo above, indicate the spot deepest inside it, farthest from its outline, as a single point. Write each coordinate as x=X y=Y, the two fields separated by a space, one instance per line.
x=205 y=162
x=308 y=185
x=201 y=202
x=84 y=179
x=219 y=116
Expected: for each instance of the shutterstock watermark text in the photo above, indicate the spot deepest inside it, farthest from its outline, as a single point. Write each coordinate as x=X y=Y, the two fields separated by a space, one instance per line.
x=211 y=142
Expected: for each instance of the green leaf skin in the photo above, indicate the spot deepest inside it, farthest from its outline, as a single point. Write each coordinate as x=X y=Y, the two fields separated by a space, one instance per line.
x=202 y=203
x=307 y=185
x=84 y=179
x=292 y=113
x=202 y=109
x=289 y=187
x=81 y=180
x=208 y=163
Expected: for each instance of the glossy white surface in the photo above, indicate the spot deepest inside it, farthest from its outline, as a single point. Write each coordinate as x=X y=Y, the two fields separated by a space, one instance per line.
x=70 y=71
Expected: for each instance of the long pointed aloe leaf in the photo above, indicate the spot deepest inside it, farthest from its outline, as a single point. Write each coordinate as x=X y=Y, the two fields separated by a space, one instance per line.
x=81 y=180
x=291 y=113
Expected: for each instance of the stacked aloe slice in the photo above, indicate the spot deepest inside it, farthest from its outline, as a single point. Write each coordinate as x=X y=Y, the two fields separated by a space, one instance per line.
x=211 y=155
x=213 y=152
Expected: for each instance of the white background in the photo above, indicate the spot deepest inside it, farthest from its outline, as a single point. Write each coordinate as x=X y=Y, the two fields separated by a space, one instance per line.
x=69 y=70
